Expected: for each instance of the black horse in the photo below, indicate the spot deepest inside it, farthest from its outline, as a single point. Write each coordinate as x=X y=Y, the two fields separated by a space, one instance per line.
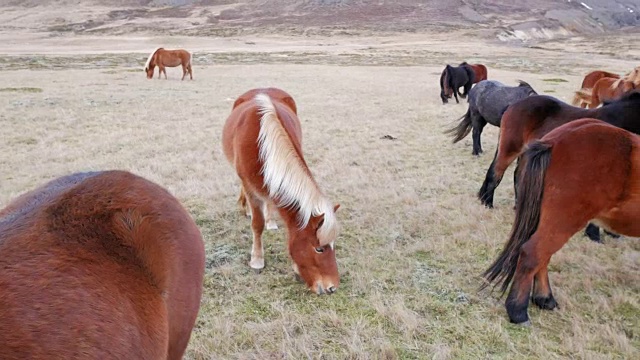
x=531 y=118
x=488 y=100
x=452 y=78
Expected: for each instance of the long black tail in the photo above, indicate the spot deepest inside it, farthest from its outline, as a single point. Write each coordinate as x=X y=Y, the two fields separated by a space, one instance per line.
x=462 y=129
x=530 y=192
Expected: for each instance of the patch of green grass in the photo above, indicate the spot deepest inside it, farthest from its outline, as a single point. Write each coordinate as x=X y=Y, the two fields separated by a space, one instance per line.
x=21 y=89
x=555 y=80
x=550 y=91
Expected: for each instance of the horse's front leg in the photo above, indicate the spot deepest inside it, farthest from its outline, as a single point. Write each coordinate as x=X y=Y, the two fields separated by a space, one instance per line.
x=455 y=94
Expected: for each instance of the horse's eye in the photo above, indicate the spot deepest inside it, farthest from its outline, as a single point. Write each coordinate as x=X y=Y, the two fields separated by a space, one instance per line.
x=319 y=249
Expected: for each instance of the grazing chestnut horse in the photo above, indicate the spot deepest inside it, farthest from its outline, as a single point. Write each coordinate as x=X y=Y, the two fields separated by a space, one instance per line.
x=588 y=83
x=99 y=265
x=582 y=170
x=168 y=58
x=279 y=95
x=479 y=70
x=262 y=140
x=533 y=117
x=607 y=89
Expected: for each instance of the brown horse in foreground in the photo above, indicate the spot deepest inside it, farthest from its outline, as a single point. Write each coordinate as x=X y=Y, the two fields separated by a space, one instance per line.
x=279 y=95
x=168 y=58
x=262 y=140
x=582 y=170
x=588 y=83
x=101 y=265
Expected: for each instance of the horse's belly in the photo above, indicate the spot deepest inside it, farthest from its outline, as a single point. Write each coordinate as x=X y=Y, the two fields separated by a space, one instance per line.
x=623 y=219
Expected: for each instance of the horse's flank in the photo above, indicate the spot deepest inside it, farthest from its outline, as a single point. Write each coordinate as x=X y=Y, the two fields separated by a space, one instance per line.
x=146 y=65
x=286 y=175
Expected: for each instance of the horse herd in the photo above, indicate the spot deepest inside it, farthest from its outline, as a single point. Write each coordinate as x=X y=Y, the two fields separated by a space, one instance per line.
x=110 y=265
x=575 y=167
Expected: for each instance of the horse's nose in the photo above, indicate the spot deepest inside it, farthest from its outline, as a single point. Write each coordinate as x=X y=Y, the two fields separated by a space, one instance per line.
x=331 y=289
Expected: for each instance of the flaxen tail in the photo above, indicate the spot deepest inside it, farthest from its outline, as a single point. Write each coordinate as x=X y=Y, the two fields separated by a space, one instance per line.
x=463 y=129
x=530 y=190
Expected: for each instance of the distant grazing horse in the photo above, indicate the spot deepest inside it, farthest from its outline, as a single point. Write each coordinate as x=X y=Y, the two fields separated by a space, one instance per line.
x=487 y=102
x=582 y=170
x=452 y=78
x=99 y=265
x=282 y=96
x=607 y=89
x=533 y=117
x=262 y=140
x=168 y=58
x=479 y=70
x=587 y=85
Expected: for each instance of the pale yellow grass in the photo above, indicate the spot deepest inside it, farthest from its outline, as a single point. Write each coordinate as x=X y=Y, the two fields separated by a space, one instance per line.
x=414 y=239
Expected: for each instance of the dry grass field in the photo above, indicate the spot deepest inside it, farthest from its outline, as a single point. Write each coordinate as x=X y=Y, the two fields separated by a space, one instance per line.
x=414 y=237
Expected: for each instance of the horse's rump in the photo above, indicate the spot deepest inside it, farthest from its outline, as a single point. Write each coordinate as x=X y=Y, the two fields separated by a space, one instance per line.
x=274 y=93
x=105 y=264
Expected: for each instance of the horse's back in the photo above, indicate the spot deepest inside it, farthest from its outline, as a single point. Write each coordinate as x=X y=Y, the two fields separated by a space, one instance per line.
x=591 y=78
x=102 y=265
x=242 y=127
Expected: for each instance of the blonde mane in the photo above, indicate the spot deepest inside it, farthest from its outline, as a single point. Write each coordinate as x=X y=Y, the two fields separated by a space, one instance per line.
x=146 y=65
x=634 y=76
x=286 y=176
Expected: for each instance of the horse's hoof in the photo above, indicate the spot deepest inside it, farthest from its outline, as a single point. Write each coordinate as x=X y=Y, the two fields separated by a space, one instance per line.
x=257 y=265
x=526 y=324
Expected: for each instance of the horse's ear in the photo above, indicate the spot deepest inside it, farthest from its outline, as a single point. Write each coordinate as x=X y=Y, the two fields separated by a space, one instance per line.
x=336 y=207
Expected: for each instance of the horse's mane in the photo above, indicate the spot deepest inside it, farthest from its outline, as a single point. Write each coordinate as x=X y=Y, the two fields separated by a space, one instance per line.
x=146 y=65
x=522 y=83
x=286 y=175
x=633 y=76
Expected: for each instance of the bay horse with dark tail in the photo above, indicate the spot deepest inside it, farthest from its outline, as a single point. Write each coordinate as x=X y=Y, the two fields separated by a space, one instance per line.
x=583 y=170
x=98 y=265
x=533 y=117
x=262 y=141
x=168 y=58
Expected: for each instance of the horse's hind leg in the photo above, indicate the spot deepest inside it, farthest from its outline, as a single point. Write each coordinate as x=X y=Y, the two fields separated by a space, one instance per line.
x=190 y=72
x=242 y=201
x=542 y=294
x=455 y=94
x=534 y=257
x=478 y=125
x=184 y=71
